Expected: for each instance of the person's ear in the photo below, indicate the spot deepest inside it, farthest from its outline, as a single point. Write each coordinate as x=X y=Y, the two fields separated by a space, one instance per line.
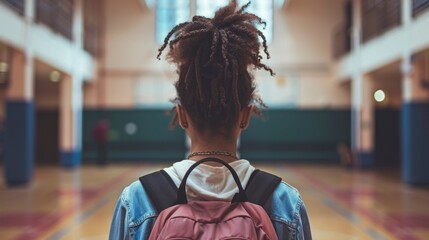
x=246 y=113
x=181 y=114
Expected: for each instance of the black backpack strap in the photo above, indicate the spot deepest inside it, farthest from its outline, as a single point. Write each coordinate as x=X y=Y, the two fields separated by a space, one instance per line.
x=260 y=188
x=161 y=189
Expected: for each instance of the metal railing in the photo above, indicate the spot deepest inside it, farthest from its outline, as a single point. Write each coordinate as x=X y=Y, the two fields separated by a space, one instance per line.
x=379 y=16
x=17 y=5
x=342 y=41
x=56 y=14
x=91 y=25
x=419 y=6
x=90 y=40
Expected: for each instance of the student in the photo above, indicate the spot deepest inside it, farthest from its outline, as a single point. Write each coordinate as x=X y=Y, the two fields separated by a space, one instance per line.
x=215 y=58
x=100 y=136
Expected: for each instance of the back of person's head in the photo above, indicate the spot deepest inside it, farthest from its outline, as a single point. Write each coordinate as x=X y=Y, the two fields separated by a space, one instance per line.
x=215 y=59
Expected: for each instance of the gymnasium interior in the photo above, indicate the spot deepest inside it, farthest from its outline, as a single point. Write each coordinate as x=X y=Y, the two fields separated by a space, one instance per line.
x=347 y=122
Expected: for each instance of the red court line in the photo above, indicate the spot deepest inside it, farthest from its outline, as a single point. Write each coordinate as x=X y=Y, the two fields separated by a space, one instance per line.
x=20 y=220
x=49 y=220
x=389 y=223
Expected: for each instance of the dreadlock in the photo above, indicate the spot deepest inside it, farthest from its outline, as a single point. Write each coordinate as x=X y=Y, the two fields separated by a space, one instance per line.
x=214 y=57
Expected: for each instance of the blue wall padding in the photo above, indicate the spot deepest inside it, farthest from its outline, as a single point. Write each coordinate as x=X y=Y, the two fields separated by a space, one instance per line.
x=366 y=159
x=415 y=143
x=19 y=142
x=71 y=158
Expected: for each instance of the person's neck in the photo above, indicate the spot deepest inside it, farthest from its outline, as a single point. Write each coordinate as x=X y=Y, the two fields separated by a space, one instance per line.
x=216 y=144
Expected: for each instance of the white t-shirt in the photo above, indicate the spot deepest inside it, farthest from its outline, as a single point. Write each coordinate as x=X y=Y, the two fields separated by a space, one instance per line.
x=208 y=182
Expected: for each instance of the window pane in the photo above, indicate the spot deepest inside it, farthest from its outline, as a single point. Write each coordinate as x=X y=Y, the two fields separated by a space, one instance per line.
x=169 y=13
x=262 y=8
x=207 y=8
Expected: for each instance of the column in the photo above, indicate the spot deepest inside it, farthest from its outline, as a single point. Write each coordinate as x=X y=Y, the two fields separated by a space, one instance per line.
x=19 y=131
x=367 y=122
x=70 y=118
x=415 y=110
x=71 y=100
x=415 y=124
x=362 y=110
x=363 y=121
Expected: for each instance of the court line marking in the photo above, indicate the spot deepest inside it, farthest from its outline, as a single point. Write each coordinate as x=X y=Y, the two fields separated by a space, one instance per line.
x=344 y=212
x=81 y=218
x=39 y=231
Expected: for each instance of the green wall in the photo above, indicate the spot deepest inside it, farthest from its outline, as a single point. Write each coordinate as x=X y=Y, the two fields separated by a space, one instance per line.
x=286 y=134
x=297 y=135
x=153 y=139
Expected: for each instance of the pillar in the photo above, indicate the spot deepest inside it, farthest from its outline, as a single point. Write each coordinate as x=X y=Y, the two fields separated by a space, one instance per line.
x=70 y=118
x=415 y=110
x=19 y=130
x=70 y=144
x=415 y=125
x=362 y=110
x=363 y=120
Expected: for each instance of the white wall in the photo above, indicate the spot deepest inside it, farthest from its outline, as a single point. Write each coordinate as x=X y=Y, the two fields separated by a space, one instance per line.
x=301 y=47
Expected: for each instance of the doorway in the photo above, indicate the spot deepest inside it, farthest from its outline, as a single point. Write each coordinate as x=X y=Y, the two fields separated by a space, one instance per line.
x=46 y=95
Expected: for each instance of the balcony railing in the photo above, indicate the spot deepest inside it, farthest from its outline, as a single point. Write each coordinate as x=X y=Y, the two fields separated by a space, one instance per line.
x=17 y=5
x=342 y=41
x=379 y=16
x=419 y=6
x=56 y=14
x=90 y=41
x=91 y=21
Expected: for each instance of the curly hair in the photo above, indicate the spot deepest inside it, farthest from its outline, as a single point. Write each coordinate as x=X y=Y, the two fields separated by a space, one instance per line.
x=215 y=59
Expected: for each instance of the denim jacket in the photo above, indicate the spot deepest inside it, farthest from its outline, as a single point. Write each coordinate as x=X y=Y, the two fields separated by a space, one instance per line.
x=135 y=215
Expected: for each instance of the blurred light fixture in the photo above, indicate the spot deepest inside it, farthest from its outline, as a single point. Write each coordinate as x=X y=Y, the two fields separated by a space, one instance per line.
x=281 y=81
x=131 y=128
x=55 y=76
x=379 y=95
x=4 y=67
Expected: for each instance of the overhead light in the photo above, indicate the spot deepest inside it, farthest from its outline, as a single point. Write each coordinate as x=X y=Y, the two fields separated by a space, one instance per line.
x=4 y=67
x=379 y=95
x=280 y=81
x=55 y=76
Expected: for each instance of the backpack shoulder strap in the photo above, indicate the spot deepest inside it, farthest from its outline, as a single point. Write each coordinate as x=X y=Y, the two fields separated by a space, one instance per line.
x=260 y=188
x=161 y=189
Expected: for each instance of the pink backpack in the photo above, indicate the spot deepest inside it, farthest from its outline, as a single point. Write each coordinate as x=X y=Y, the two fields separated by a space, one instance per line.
x=239 y=219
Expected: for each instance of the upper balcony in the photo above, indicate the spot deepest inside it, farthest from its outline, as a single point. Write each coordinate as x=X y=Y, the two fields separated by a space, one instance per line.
x=17 y=5
x=384 y=36
x=51 y=32
x=58 y=16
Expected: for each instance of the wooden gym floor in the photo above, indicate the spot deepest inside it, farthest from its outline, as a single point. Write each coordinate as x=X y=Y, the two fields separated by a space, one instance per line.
x=342 y=204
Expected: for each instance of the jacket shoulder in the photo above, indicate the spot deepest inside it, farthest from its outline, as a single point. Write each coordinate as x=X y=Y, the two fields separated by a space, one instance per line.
x=137 y=203
x=286 y=204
